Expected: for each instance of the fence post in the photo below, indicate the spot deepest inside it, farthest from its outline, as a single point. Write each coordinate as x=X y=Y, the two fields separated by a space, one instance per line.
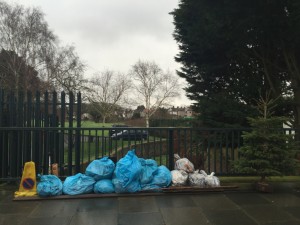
x=77 y=135
x=70 y=135
x=13 y=136
x=37 y=146
x=1 y=134
x=62 y=134
x=46 y=134
x=171 y=148
x=20 y=134
x=54 y=123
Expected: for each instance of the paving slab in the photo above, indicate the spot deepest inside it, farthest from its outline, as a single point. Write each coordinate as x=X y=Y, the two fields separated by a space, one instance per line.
x=238 y=207
x=177 y=201
x=11 y=219
x=294 y=211
x=228 y=217
x=287 y=222
x=50 y=209
x=266 y=213
x=208 y=201
x=10 y=208
x=152 y=218
x=94 y=217
x=137 y=204
x=105 y=205
x=243 y=198
x=184 y=215
x=47 y=221
x=283 y=199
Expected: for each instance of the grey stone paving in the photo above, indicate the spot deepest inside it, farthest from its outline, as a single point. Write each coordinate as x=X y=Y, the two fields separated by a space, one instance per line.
x=242 y=207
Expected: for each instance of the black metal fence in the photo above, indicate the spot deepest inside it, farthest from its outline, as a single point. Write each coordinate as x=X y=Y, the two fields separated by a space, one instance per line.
x=25 y=133
x=39 y=109
x=73 y=148
x=47 y=129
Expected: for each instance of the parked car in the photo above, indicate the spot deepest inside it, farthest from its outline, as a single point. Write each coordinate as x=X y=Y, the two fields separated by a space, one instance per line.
x=119 y=126
x=130 y=135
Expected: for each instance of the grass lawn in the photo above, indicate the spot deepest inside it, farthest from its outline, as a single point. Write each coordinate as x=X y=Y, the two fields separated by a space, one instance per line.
x=100 y=146
x=90 y=124
x=93 y=150
x=93 y=125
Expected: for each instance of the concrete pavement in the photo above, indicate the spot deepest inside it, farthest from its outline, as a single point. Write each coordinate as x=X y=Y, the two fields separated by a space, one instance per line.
x=242 y=207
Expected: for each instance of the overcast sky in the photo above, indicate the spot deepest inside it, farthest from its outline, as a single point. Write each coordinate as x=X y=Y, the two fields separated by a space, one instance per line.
x=114 y=34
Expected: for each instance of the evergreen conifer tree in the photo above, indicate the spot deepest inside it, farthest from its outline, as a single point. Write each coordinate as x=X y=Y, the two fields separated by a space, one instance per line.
x=267 y=149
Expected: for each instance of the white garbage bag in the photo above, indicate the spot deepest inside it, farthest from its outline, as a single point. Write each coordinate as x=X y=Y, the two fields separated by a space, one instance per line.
x=211 y=180
x=183 y=164
x=179 y=177
x=197 y=179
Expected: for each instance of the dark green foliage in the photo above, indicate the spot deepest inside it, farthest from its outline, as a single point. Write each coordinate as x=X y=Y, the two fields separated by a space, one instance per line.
x=25 y=79
x=267 y=149
x=231 y=49
x=223 y=111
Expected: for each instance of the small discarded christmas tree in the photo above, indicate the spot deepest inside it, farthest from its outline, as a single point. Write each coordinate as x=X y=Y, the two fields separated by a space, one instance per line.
x=267 y=149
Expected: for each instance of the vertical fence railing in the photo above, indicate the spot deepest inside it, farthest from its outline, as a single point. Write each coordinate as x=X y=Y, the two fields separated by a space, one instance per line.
x=77 y=135
x=171 y=148
x=26 y=113
x=62 y=133
x=213 y=150
x=46 y=128
x=208 y=149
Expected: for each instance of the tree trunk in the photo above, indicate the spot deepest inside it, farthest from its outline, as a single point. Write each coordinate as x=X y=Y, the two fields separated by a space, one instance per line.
x=147 y=120
x=297 y=112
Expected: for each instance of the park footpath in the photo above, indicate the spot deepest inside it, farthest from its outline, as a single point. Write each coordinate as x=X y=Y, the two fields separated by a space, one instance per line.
x=242 y=207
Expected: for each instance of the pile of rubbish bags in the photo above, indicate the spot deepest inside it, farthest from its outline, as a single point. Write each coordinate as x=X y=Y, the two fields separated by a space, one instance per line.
x=129 y=175
x=185 y=174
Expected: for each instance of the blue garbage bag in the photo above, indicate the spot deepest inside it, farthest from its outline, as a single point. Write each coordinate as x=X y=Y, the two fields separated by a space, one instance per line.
x=104 y=186
x=49 y=185
x=101 y=168
x=78 y=184
x=127 y=174
x=149 y=166
x=161 y=178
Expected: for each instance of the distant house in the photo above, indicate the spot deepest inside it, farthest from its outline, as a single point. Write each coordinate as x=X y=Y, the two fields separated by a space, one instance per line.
x=127 y=113
x=181 y=112
x=174 y=112
x=189 y=112
x=87 y=116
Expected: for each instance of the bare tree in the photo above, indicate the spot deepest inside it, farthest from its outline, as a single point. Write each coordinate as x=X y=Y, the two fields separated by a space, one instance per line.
x=155 y=88
x=24 y=34
x=29 y=43
x=108 y=90
x=64 y=70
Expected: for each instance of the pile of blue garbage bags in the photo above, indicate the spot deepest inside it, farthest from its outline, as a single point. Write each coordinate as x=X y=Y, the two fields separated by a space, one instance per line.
x=130 y=174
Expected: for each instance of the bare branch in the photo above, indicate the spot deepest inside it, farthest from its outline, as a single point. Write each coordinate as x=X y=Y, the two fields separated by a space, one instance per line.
x=108 y=90
x=154 y=87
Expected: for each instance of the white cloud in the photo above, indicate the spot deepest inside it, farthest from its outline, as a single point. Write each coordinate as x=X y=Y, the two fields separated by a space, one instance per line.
x=114 y=34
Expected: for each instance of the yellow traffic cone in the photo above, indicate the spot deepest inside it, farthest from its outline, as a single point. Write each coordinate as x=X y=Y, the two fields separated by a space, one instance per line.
x=28 y=181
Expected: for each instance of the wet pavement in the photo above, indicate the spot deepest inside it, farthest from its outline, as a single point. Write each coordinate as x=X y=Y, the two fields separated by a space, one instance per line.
x=242 y=207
